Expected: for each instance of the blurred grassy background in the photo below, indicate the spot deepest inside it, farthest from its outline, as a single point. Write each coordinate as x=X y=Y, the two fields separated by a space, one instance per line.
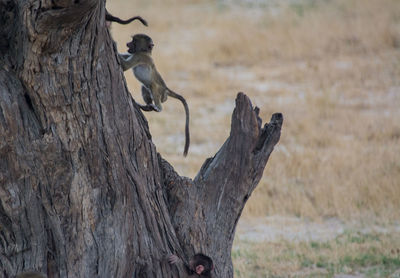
x=332 y=67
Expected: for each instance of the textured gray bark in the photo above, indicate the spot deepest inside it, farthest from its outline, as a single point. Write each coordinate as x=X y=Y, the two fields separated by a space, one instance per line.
x=83 y=192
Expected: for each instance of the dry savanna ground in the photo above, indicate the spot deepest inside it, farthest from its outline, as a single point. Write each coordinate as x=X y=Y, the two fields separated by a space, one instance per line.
x=332 y=67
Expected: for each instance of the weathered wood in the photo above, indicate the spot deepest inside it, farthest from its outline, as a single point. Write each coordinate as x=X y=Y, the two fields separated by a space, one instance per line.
x=83 y=192
x=213 y=202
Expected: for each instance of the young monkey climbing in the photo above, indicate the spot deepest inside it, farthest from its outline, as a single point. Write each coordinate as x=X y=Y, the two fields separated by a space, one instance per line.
x=200 y=265
x=154 y=89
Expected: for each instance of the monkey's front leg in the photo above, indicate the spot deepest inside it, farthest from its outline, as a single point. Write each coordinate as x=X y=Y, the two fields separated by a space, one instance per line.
x=124 y=59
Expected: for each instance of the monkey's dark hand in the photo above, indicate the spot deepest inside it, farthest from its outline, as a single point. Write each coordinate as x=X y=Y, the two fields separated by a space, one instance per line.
x=172 y=259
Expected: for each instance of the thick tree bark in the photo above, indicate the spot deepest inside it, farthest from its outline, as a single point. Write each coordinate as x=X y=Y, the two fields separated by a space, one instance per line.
x=83 y=192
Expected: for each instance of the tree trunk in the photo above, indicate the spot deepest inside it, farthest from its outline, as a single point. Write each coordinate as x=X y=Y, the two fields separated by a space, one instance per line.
x=83 y=191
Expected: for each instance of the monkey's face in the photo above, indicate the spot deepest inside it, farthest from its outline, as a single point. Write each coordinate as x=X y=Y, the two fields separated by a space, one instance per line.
x=196 y=267
x=201 y=264
x=199 y=269
x=140 y=42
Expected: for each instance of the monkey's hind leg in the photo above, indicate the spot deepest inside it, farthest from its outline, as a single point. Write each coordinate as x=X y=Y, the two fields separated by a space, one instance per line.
x=148 y=99
x=146 y=107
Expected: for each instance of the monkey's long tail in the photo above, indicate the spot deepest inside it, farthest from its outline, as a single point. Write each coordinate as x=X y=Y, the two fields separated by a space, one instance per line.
x=110 y=17
x=187 y=134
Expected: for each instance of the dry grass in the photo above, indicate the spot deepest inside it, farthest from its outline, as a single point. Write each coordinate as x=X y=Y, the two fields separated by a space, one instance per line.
x=331 y=67
x=352 y=253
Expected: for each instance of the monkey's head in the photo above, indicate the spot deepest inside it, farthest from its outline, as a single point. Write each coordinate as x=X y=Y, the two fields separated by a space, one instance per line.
x=201 y=264
x=140 y=43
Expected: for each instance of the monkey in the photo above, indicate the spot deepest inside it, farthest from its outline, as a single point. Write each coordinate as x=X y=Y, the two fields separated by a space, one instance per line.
x=31 y=274
x=154 y=89
x=200 y=265
x=110 y=18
